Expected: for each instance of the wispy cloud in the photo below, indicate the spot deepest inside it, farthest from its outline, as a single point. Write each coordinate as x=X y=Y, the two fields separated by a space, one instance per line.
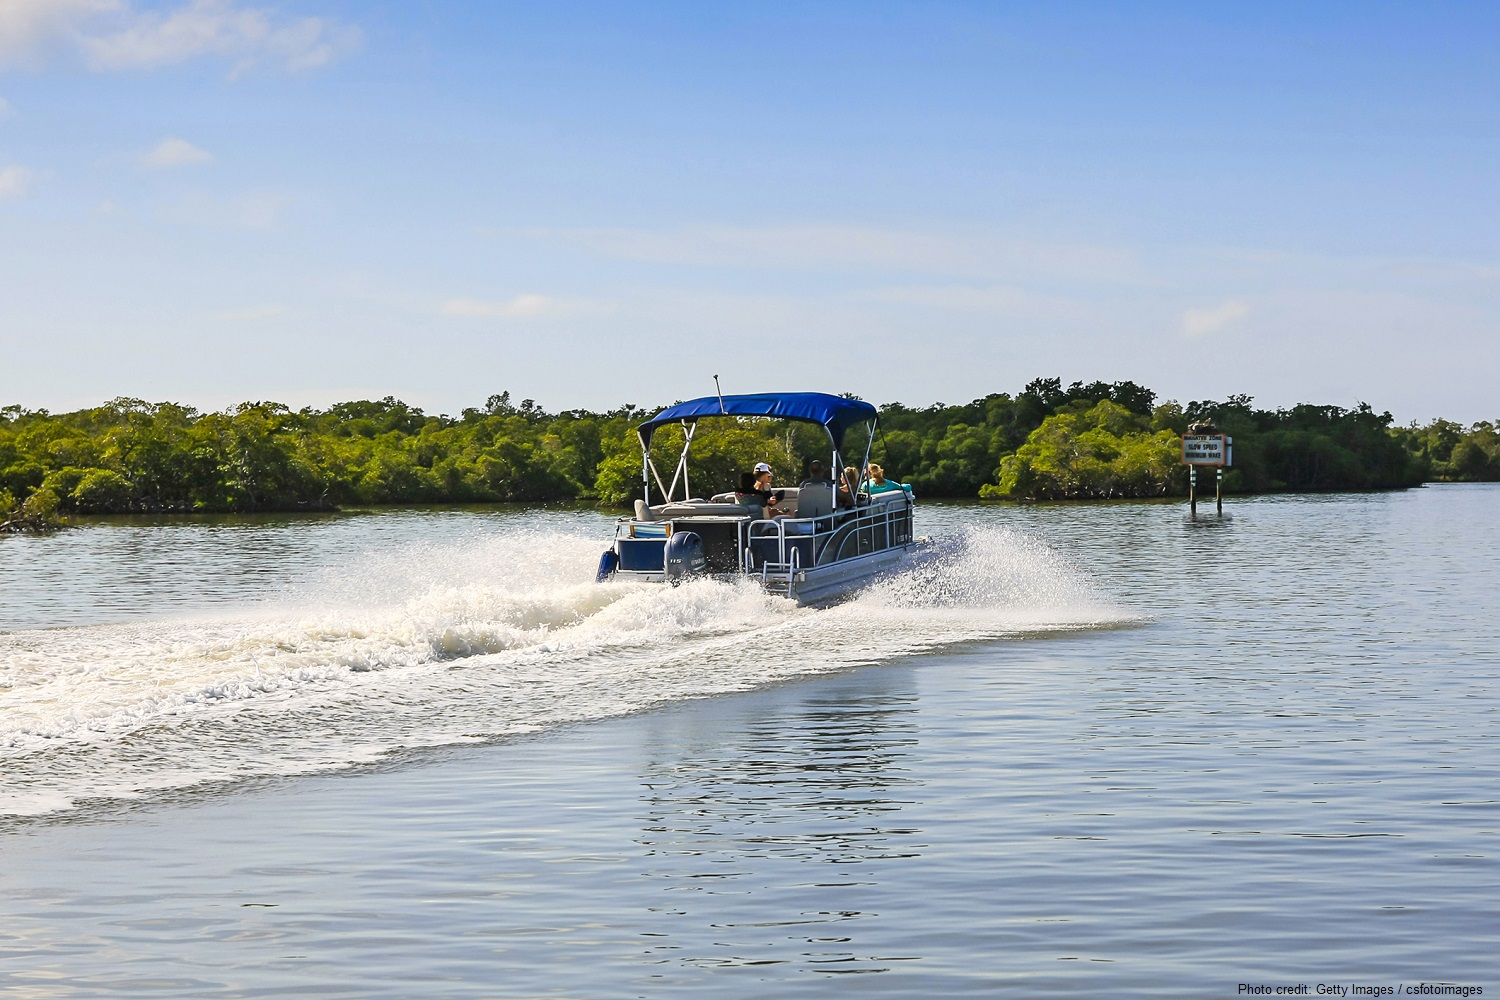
x=175 y=152
x=7 y=109
x=518 y=307
x=16 y=183
x=33 y=30
x=1201 y=322
x=114 y=35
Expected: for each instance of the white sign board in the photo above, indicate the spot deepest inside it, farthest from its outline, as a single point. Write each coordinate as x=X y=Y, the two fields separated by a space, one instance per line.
x=1206 y=449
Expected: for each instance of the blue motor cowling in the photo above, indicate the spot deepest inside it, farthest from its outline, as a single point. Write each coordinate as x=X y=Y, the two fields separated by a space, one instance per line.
x=608 y=563
x=683 y=556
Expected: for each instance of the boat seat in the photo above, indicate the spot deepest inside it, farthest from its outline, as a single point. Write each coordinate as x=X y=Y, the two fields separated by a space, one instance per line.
x=702 y=508
x=788 y=495
x=889 y=496
x=814 y=499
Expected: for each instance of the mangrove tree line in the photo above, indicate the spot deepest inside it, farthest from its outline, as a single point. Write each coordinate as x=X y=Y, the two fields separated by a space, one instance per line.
x=1048 y=441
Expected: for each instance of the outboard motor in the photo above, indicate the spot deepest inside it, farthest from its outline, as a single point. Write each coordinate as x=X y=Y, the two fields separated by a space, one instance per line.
x=608 y=563
x=684 y=556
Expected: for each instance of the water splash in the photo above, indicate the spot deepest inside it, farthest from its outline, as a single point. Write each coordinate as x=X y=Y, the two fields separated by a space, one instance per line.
x=425 y=645
x=998 y=569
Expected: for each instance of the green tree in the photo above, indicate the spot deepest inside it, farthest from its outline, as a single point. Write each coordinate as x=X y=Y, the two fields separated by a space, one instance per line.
x=1090 y=452
x=102 y=491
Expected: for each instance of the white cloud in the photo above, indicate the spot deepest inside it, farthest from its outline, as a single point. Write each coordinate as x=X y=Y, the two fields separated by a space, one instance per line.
x=174 y=152
x=7 y=109
x=520 y=306
x=1201 y=322
x=114 y=35
x=16 y=183
x=32 y=30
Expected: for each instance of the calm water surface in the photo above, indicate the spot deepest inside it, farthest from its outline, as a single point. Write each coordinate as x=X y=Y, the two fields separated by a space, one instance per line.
x=1074 y=751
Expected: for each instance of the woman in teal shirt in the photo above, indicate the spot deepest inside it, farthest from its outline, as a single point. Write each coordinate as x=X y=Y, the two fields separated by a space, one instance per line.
x=880 y=484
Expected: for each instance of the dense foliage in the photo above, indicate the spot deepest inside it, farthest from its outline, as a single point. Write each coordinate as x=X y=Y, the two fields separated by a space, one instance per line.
x=1312 y=448
x=1046 y=442
x=1084 y=452
x=1454 y=453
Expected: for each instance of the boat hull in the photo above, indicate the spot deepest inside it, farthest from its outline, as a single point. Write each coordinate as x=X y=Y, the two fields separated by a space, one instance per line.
x=818 y=586
x=814 y=586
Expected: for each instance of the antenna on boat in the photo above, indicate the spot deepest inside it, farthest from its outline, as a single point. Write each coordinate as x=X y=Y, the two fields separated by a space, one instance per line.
x=720 y=393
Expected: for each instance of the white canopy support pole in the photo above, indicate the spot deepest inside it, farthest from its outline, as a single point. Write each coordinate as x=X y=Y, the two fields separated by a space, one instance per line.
x=681 y=471
x=864 y=469
x=646 y=463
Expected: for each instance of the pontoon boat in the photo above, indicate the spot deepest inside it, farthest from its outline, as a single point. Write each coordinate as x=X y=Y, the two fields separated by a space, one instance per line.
x=830 y=543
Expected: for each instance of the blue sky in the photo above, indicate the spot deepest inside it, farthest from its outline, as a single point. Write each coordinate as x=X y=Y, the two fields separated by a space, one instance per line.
x=593 y=204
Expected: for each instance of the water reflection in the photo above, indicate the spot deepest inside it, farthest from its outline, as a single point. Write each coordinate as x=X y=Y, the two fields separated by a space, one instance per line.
x=814 y=792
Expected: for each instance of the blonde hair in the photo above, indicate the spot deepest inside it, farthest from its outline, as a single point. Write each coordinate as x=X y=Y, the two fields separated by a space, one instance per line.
x=876 y=472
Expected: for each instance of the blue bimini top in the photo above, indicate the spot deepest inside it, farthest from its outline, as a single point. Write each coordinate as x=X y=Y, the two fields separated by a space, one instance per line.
x=837 y=413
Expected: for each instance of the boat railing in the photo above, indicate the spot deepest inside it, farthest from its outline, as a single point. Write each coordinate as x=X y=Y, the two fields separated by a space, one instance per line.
x=873 y=526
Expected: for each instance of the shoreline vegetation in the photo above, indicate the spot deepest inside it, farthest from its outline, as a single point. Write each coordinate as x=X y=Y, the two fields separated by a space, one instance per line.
x=1048 y=442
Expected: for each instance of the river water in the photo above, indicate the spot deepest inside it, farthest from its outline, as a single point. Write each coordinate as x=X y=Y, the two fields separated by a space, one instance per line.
x=1070 y=751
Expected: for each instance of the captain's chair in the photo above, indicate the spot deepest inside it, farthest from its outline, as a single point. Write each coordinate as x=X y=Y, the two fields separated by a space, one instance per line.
x=815 y=498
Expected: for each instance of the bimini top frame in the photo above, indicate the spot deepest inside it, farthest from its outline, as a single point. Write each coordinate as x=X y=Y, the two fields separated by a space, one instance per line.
x=835 y=414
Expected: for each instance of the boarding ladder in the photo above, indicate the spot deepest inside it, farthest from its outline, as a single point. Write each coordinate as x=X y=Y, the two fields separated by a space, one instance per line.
x=781 y=577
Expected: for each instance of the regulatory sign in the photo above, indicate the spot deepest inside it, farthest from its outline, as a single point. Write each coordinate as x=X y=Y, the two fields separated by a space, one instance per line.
x=1207 y=449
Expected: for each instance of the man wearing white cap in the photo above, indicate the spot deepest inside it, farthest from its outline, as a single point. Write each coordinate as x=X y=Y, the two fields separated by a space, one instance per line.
x=757 y=493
